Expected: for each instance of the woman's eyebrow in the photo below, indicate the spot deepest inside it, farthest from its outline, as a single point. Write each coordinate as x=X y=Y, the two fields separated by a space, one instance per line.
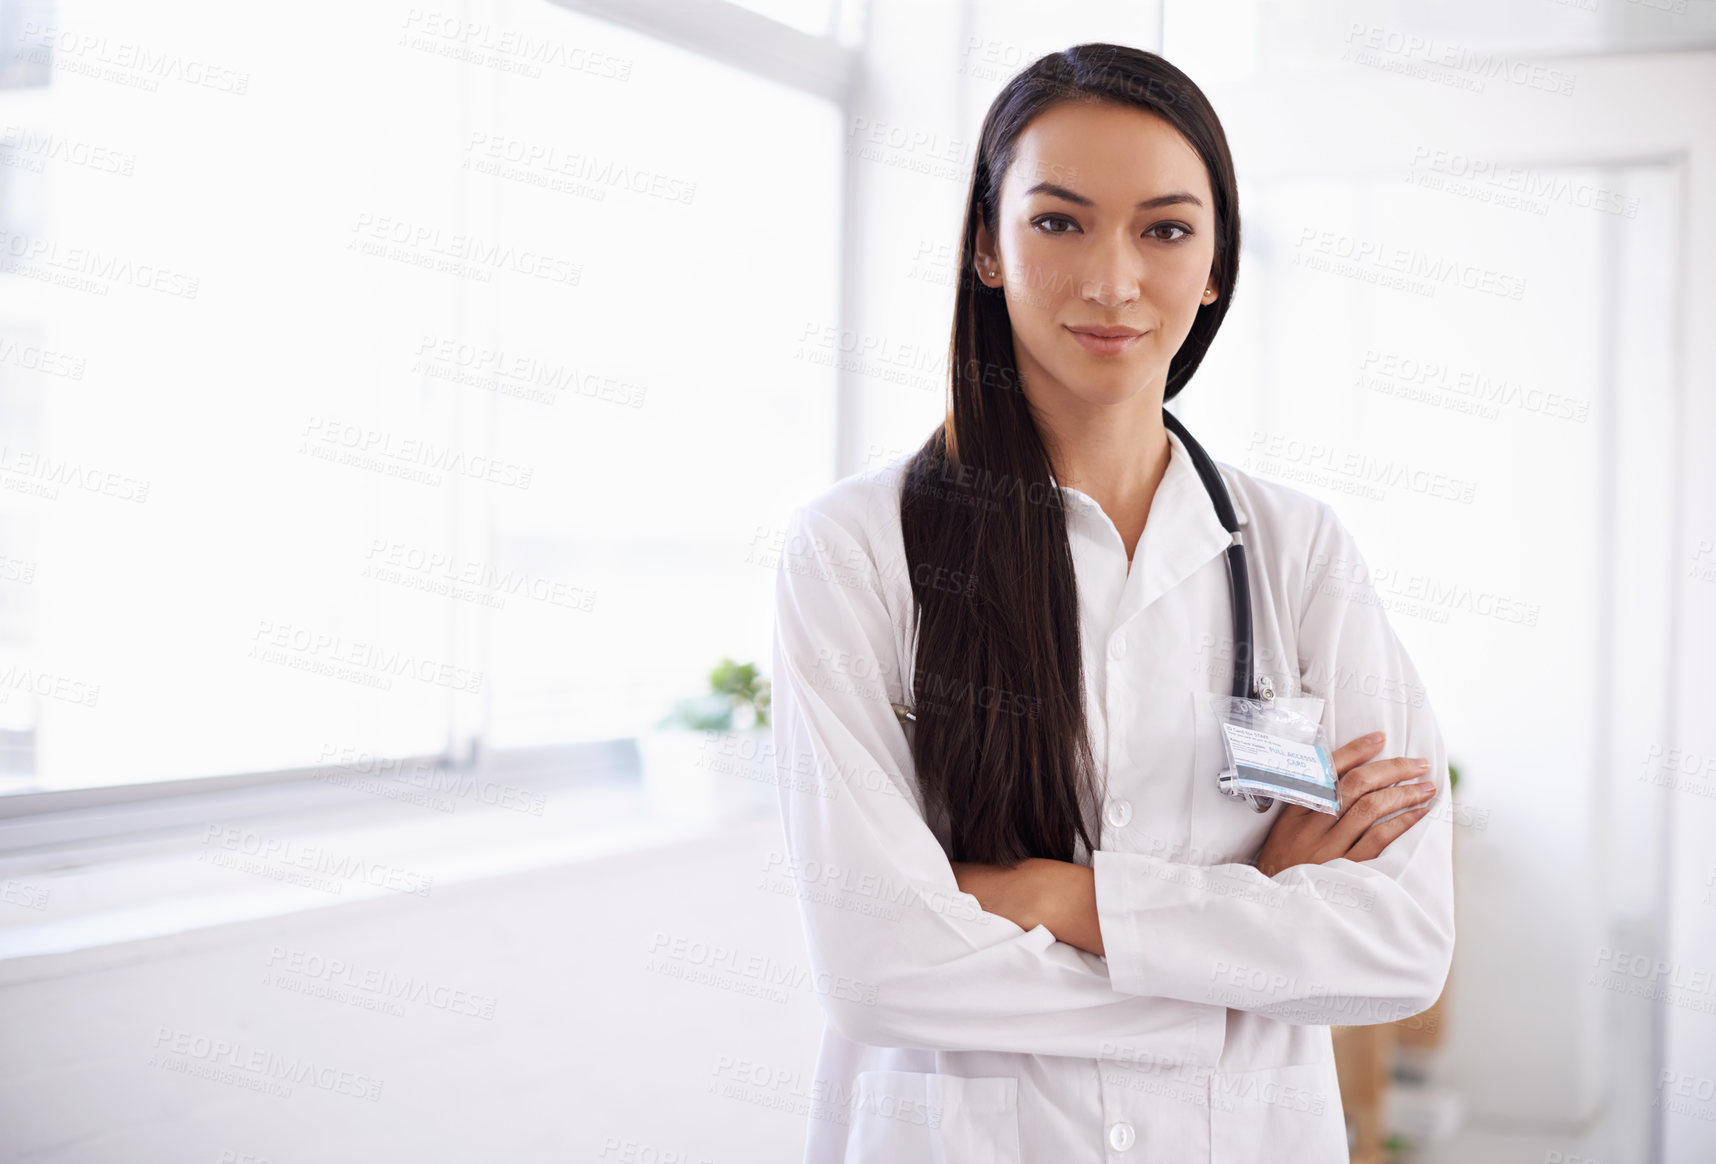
x=1081 y=200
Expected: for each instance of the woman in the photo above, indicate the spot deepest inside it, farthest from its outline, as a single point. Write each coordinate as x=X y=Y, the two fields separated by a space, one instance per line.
x=1039 y=930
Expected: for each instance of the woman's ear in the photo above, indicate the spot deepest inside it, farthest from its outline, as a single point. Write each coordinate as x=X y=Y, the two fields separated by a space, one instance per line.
x=985 y=260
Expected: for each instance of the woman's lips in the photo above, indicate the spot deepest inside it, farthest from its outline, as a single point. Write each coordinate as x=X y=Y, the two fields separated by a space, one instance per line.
x=1098 y=345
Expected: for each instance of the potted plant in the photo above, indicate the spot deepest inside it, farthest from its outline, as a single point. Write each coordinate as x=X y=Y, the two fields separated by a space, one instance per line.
x=708 y=759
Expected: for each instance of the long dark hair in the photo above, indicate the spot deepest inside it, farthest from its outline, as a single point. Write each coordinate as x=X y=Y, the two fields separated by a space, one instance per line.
x=1000 y=742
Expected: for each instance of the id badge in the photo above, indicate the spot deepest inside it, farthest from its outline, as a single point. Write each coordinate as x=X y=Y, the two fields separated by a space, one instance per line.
x=1276 y=750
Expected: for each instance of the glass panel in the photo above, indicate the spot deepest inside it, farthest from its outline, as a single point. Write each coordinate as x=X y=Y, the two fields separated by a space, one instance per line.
x=224 y=425
x=667 y=406
x=358 y=390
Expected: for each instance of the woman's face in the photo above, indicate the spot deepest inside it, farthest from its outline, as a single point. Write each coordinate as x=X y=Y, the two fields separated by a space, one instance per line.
x=1076 y=250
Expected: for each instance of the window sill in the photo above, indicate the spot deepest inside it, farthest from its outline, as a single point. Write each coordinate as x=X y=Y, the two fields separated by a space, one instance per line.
x=101 y=875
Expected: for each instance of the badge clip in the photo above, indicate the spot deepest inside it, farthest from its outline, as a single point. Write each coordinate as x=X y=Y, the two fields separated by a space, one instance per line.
x=1275 y=750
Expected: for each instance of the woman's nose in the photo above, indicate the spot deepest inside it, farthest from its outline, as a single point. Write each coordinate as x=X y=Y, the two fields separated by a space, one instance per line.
x=1113 y=282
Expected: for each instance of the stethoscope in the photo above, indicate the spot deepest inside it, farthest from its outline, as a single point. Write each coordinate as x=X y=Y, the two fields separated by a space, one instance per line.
x=1245 y=685
x=1238 y=580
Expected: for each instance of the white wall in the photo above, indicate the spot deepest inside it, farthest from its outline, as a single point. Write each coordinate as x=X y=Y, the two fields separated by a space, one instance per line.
x=598 y=1036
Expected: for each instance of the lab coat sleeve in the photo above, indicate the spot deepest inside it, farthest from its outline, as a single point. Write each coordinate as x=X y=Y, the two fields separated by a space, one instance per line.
x=1340 y=943
x=899 y=955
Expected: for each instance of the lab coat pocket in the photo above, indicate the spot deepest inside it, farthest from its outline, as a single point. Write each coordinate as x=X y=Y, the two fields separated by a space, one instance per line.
x=1280 y=1113
x=915 y=1117
x=1225 y=829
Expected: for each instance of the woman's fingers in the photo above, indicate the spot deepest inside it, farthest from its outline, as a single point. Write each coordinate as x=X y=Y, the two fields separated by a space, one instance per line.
x=1355 y=752
x=1369 y=790
x=1377 y=774
x=1356 y=820
x=1379 y=837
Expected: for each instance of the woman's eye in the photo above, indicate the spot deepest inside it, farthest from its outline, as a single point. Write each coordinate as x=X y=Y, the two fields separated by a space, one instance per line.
x=1046 y=224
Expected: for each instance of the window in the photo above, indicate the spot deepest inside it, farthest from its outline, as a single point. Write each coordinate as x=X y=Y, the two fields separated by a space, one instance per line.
x=349 y=406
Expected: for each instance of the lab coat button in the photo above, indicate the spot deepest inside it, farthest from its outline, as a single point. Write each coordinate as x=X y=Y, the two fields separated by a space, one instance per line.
x=1120 y=1136
x=1118 y=648
x=1119 y=812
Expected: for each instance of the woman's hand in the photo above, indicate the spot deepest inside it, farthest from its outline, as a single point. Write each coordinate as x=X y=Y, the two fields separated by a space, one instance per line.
x=1368 y=791
x=1036 y=892
x=1013 y=893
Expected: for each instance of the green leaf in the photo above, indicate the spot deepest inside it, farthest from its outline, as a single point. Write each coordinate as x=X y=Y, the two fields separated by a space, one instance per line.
x=704 y=713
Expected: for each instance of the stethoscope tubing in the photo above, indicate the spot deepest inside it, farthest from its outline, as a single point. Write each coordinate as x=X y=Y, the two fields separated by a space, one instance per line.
x=1238 y=576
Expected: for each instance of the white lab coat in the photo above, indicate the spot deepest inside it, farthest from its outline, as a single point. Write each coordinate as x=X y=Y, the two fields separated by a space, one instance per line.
x=955 y=1036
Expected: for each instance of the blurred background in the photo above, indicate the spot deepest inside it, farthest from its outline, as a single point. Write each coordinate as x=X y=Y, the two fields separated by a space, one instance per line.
x=400 y=405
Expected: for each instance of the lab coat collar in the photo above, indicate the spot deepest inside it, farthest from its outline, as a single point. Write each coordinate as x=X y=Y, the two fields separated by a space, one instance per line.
x=1181 y=533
